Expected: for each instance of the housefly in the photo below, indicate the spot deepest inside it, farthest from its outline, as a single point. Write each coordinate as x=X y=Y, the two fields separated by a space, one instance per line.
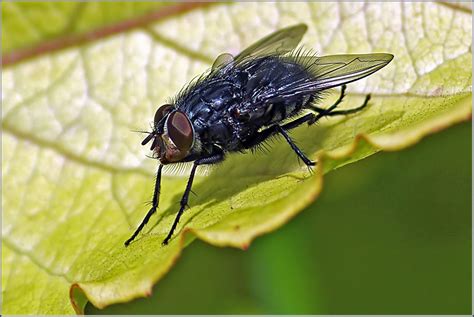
x=269 y=88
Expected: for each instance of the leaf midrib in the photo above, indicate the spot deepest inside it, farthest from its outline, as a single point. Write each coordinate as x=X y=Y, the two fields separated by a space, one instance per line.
x=61 y=42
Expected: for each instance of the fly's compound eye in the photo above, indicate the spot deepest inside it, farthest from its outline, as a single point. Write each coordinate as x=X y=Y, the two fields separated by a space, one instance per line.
x=162 y=112
x=180 y=131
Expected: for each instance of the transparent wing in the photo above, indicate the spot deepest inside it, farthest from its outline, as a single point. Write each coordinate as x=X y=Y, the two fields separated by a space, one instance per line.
x=335 y=70
x=279 y=42
x=328 y=72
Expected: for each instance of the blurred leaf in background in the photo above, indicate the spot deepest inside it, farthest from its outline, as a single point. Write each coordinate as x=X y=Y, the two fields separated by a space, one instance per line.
x=78 y=78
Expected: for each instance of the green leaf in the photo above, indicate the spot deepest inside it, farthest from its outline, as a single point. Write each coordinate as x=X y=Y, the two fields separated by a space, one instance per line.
x=75 y=177
x=29 y=23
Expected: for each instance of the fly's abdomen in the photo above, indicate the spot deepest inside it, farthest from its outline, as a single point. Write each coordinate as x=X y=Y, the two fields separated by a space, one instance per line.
x=269 y=91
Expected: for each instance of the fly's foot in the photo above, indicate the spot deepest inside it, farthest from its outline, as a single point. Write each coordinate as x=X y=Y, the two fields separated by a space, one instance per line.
x=310 y=167
x=309 y=163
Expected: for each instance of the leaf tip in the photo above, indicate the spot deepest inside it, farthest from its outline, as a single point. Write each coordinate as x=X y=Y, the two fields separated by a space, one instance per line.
x=78 y=298
x=148 y=292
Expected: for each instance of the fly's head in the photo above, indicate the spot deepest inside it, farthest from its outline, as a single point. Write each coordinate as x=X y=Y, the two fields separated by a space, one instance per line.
x=172 y=135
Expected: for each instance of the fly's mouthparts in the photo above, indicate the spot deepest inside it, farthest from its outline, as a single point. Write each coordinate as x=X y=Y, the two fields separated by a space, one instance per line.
x=154 y=144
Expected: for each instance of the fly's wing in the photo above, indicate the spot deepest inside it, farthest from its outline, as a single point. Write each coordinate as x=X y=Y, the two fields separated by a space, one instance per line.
x=336 y=70
x=328 y=72
x=277 y=43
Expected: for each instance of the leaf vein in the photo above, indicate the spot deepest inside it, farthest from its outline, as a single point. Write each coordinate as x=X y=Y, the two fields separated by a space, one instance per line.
x=177 y=47
x=42 y=143
x=33 y=259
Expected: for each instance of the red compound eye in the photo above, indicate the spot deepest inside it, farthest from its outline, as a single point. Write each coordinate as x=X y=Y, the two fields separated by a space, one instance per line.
x=162 y=112
x=180 y=131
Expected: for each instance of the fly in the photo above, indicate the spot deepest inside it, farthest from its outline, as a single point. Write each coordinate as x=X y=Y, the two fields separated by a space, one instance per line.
x=242 y=101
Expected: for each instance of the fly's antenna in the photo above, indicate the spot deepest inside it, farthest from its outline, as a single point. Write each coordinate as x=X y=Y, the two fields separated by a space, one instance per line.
x=140 y=131
x=148 y=138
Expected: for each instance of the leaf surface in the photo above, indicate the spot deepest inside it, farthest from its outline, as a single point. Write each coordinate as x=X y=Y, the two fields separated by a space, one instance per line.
x=75 y=177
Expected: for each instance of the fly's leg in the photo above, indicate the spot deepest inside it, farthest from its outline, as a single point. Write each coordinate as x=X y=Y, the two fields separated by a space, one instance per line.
x=184 y=200
x=295 y=148
x=274 y=129
x=312 y=118
x=353 y=110
x=154 y=206
x=329 y=111
x=342 y=112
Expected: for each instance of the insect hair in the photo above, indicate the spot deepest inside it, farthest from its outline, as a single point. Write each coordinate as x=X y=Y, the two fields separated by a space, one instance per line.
x=188 y=88
x=183 y=168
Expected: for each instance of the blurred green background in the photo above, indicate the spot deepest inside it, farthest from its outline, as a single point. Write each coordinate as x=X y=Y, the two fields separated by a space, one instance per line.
x=390 y=234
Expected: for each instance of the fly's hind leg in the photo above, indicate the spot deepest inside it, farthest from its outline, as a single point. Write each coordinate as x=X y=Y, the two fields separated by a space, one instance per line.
x=342 y=112
x=325 y=112
x=310 y=118
x=329 y=112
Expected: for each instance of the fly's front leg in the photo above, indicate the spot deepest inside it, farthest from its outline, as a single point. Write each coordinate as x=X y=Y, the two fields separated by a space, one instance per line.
x=154 y=206
x=184 y=200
